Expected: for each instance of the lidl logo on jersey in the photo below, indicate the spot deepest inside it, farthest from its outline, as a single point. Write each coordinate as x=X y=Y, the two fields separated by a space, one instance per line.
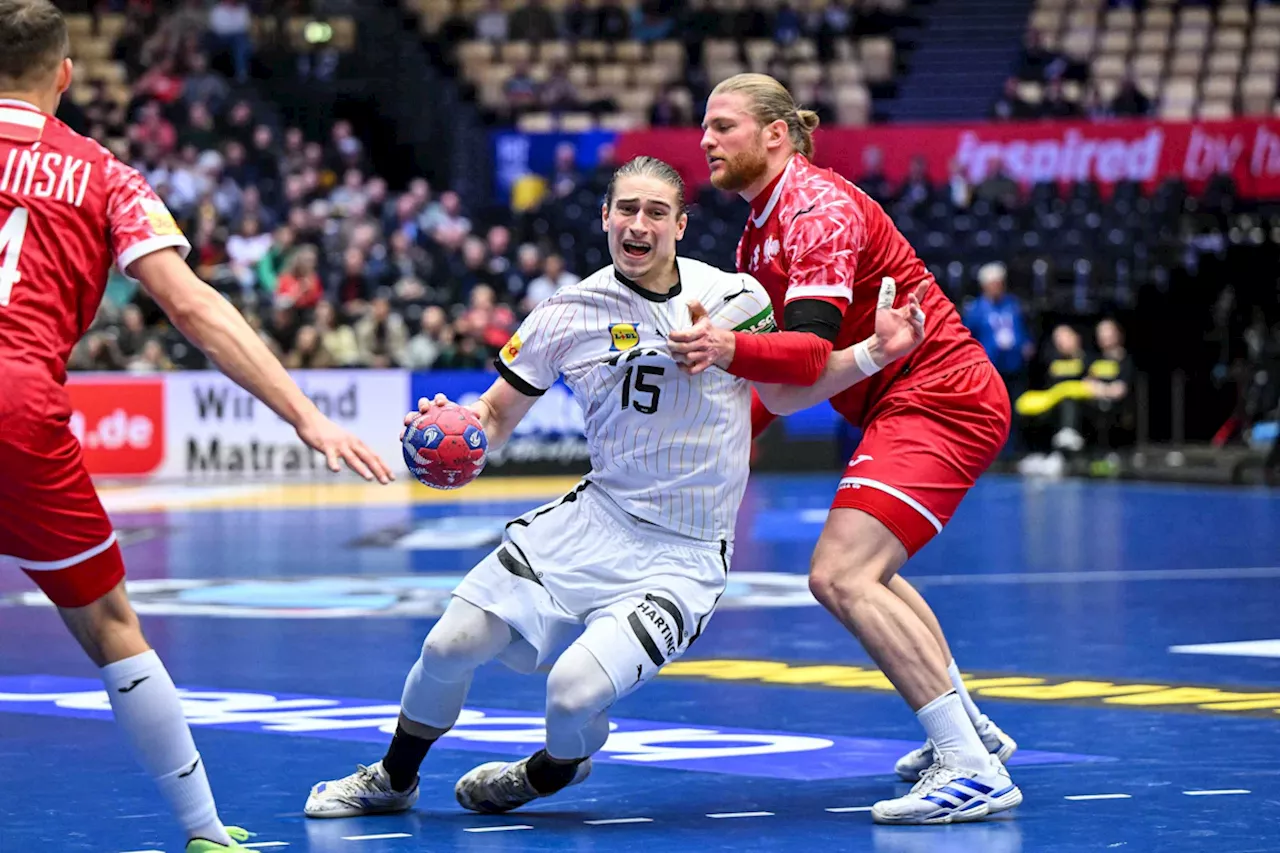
x=512 y=349
x=625 y=336
x=708 y=748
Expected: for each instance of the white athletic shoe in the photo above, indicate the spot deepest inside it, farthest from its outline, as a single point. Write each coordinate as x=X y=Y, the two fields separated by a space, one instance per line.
x=500 y=786
x=948 y=793
x=365 y=792
x=999 y=744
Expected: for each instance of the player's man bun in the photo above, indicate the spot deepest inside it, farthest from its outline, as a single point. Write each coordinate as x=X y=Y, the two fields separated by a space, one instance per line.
x=33 y=40
x=770 y=101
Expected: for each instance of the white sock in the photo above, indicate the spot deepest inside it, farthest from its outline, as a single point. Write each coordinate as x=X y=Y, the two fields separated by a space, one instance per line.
x=958 y=683
x=148 y=711
x=950 y=729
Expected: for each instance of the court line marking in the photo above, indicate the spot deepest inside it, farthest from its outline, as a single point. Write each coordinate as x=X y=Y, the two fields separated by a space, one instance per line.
x=510 y=828
x=376 y=837
x=148 y=850
x=718 y=815
x=618 y=820
x=1222 y=792
x=1099 y=797
x=261 y=844
x=846 y=809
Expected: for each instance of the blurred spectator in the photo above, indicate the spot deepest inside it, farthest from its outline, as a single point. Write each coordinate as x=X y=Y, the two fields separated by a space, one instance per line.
x=381 y=336
x=997 y=320
x=554 y=277
x=300 y=286
x=612 y=21
x=533 y=22
x=338 y=339
x=521 y=89
x=308 y=351
x=230 y=22
x=246 y=250
x=1130 y=100
x=491 y=24
x=427 y=345
x=1110 y=379
x=152 y=359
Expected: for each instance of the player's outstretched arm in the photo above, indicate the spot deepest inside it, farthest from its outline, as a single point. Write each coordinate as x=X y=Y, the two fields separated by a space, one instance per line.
x=499 y=409
x=214 y=325
x=898 y=332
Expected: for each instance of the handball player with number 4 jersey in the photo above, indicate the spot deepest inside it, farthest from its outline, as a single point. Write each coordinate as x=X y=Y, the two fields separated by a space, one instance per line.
x=68 y=211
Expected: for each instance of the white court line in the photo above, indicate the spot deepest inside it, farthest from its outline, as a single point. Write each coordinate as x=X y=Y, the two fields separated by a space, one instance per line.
x=618 y=820
x=847 y=809
x=718 y=815
x=1243 y=648
x=511 y=828
x=1099 y=797
x=376 y=837
x=1217 y=793
x=260 y=844
x=148 y=850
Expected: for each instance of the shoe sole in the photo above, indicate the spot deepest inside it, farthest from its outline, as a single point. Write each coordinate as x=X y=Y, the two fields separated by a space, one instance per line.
x=983 y=809
x=358 y=812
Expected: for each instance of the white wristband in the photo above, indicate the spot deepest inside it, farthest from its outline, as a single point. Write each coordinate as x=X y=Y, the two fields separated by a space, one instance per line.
x=862 y=356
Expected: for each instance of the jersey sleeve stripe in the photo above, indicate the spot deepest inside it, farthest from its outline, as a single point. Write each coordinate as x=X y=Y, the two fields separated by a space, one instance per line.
x=517 y=381
x=801 y=291
x=150 y=246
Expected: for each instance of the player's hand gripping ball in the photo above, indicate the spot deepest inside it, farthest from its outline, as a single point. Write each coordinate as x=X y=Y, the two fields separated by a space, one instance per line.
x=445 y=447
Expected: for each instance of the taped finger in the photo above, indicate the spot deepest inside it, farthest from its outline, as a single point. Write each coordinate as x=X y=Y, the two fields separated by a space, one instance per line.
x=888 y=292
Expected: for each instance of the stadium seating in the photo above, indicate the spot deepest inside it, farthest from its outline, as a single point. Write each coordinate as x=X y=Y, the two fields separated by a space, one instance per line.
x=1191 y=61
x=630 y=74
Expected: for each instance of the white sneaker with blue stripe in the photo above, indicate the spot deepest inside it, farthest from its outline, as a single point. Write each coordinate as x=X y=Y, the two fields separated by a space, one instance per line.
x=949 y=793
x=367 y=791
x=999 y=744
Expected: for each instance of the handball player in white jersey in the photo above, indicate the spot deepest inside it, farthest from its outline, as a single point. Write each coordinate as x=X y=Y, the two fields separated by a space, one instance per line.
x=634 y=559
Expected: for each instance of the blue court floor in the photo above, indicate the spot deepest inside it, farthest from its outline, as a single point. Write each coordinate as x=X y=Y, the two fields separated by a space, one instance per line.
x=1128 y=636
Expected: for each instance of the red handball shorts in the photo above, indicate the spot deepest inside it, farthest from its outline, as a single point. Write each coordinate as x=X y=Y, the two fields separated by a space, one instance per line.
x=923 y=448
x=51 y=520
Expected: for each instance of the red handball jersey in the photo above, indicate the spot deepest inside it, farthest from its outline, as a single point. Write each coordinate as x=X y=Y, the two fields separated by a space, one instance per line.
x=68 y=210
x=814 y=235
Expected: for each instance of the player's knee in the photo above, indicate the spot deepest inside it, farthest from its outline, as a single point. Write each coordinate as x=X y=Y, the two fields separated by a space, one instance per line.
x=575 y=696
x=838 y=582
x=445 y=658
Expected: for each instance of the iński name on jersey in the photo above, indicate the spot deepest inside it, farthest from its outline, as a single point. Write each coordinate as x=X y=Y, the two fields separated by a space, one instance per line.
x=46 y=174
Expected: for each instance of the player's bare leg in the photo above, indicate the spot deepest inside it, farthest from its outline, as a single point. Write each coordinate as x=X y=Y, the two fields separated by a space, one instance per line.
x=149 y=712
x=854 y=561
x=915 y=762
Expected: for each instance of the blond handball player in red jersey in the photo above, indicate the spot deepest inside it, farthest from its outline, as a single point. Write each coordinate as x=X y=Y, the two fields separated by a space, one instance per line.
x=68 y=210
x=932 y=422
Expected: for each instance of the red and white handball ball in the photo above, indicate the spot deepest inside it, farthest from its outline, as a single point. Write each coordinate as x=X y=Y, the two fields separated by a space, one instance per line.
x=446 y=448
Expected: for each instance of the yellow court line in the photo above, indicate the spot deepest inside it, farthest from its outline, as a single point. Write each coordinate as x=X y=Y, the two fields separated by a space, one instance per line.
x=399 y=493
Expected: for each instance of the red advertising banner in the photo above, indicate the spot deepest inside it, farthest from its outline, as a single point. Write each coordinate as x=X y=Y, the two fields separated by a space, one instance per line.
x=119 y=422
x=1106 y=152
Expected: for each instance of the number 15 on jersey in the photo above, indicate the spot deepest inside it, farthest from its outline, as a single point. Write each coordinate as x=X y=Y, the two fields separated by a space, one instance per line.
x=12 y=233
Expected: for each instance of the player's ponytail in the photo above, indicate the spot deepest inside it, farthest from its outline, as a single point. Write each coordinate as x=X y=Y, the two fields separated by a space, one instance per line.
x=802 y=133
x=770 y=101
